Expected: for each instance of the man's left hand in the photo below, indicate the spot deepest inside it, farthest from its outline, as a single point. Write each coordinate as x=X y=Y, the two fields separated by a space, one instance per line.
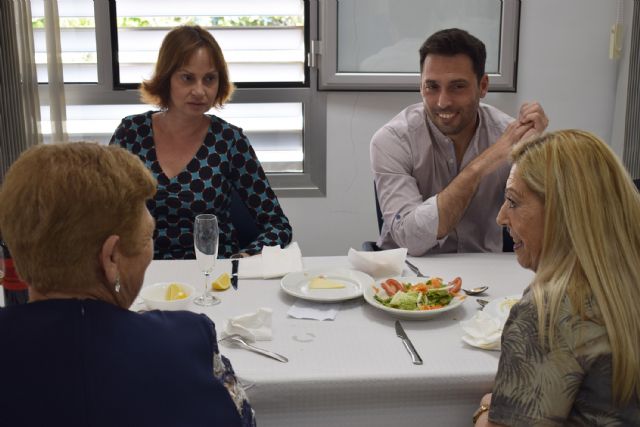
x=532 y=113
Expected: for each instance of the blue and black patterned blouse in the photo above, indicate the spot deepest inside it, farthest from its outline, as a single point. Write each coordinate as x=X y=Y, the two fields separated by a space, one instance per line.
x=225 y=161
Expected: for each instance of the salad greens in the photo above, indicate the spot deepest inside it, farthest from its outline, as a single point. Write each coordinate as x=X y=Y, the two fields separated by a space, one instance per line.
x=412 y=299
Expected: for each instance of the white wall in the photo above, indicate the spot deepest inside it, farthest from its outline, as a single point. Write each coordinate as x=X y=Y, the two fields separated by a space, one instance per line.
x=563 y=63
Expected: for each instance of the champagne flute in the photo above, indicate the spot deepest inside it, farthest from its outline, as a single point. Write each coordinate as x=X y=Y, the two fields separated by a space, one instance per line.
x=205 y=243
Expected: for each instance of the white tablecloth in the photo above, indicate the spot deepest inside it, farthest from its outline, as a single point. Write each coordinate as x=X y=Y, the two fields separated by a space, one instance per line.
x=354 y=371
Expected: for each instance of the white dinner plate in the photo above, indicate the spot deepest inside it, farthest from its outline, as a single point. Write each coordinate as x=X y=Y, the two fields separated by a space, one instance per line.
x=500 y=307
x=409 y=314
x=297 y=284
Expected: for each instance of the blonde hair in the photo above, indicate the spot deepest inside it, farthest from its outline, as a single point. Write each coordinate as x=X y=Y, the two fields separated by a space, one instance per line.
x=58 y=205
x=591 y=242
x=177 y=48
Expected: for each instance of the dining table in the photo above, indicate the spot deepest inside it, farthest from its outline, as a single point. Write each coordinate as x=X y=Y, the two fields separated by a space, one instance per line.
x=354 y=370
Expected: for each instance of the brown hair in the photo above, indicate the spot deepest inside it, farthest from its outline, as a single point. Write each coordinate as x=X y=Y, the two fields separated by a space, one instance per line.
x=60 y=202
x=177 y=48
x=454 y=41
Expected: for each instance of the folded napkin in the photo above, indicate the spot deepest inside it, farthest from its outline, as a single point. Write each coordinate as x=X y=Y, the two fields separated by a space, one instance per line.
x=380 y=263
x=253 y=326
x=313 y=310
x=272 y=262
x=483 y=331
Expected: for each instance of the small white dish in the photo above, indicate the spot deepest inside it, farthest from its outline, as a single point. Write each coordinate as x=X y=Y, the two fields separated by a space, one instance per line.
x=411 y=314
x=297 y=284
x=154 y=296
x=500 y=307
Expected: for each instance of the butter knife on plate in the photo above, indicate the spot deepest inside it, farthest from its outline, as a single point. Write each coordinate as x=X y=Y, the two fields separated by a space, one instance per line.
x=415 y=357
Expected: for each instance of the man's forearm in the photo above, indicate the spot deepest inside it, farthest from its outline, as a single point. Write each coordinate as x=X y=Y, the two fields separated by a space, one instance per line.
x=455 y=198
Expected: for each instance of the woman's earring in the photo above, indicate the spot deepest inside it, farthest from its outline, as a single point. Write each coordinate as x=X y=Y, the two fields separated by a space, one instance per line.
x=117 y=284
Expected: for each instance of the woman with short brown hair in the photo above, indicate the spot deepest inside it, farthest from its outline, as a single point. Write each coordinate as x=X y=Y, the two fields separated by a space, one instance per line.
x=201 y=162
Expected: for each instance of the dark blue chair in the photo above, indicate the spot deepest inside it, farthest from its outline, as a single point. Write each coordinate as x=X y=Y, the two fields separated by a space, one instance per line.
x=507 y=241
x=370 y=246
x=242 y=220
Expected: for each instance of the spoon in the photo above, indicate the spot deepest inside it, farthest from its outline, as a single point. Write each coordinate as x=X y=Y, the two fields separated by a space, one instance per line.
x=475 y=291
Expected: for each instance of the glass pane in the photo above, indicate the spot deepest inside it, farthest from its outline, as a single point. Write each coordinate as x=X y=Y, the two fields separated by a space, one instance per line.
x=77 y=40
x=274 y=129
x=383 y=36
x=261 y=42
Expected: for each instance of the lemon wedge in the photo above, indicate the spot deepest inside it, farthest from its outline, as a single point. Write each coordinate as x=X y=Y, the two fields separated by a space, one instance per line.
x=174 y=292
x=222 y=283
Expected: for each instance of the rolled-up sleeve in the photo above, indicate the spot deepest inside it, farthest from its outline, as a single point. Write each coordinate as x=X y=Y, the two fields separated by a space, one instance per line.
x=409 y=221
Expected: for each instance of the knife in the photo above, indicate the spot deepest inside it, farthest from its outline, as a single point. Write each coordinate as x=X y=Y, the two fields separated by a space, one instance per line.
x=415 y=357
x=234 y=273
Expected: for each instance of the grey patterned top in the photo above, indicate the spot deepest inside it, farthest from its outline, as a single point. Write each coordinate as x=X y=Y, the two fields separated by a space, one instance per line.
x=570 y=386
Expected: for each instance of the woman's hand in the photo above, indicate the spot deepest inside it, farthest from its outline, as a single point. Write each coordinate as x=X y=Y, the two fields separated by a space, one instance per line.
x=483 y=412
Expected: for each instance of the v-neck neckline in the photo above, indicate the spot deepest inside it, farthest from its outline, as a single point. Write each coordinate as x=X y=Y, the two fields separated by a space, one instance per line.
x=156 y=161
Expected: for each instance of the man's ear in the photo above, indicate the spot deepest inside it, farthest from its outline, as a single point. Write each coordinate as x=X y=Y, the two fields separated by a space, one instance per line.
x=484 y=85
x=109 y=258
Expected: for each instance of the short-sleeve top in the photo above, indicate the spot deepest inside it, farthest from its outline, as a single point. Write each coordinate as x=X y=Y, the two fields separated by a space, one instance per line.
x=225 y=162
x=569 y=386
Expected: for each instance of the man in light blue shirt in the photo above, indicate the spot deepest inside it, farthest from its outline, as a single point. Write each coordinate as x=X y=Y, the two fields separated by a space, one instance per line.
x=440 y=166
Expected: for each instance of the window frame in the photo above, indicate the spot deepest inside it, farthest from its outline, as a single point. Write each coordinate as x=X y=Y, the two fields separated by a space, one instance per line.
x=505 y=80
x=309 y=183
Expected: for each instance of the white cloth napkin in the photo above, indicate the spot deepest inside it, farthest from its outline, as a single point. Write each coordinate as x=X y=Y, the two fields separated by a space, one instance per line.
x=272 y=262
x=380 y=263
x=483 y=331
x=313 y=310
x=252 y=326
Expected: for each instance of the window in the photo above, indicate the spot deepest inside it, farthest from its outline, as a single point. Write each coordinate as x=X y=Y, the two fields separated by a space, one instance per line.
x=109 y=46
x=263 y=42
x=77 y=41
x=373 y=44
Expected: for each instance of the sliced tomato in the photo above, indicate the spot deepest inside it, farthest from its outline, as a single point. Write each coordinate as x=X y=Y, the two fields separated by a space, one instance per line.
x=389 y=289
x=456 y=285
x=393 y=282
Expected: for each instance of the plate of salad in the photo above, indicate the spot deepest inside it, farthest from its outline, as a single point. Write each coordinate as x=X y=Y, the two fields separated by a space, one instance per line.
x=415 y=297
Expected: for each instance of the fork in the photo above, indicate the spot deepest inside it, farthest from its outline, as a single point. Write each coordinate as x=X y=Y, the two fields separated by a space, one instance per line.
x=237 y=339
x=414 y=269
x=482 y=302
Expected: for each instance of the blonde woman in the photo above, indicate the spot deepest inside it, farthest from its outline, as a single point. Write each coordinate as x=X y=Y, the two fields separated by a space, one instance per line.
x=570 y=347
